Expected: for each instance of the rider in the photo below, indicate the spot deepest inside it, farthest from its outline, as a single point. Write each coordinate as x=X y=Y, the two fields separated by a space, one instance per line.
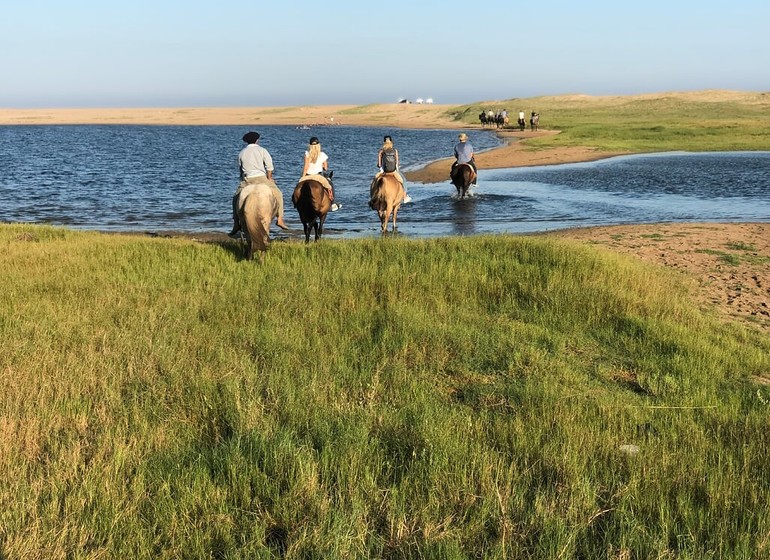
x=256 y=166
x=317 y=163
x=388 y=162
x=464 y=154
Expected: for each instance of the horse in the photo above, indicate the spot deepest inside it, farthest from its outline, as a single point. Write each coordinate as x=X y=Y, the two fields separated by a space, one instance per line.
x=387 y=193
x=534 y=120
x=312 y=202
x=256 y=209
x=522 y=125
x=483 y=118
x=462 y=177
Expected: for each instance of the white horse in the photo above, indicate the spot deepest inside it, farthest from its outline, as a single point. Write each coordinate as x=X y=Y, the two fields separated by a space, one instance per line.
x=257 y=207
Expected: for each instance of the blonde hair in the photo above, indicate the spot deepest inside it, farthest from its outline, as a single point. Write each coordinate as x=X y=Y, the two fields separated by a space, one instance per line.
x=313 y=151
x=387 y=144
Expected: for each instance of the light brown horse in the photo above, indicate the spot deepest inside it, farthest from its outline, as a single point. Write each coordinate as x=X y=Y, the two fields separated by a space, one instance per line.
x=386 y=195
x=462 y=176
x=256 y=209
x=312 y=202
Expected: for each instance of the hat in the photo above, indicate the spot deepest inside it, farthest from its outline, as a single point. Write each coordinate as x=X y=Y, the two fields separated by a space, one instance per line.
x=251 y=137
x=387 y=138
x=313 y=140
x=462 y=137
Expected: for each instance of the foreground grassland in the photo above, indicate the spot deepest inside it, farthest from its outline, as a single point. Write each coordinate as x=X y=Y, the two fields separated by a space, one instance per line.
x=698 y=121
x=449 y=398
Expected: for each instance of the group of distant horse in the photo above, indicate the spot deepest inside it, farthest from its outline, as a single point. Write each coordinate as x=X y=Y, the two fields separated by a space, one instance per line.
x=490 y=118
x=500 y=120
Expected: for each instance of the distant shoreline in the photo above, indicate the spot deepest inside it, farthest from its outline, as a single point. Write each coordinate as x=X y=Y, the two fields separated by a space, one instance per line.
x=398 y=116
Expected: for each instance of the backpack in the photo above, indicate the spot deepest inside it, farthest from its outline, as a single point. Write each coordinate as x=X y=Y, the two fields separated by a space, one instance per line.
x=389 y=160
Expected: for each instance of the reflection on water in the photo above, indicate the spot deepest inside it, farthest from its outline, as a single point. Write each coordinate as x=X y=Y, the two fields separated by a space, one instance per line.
x=139 y=178
x=464 y=220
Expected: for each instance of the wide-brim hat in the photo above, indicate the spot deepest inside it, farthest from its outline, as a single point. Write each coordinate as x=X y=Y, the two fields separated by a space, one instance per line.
x=251 y=137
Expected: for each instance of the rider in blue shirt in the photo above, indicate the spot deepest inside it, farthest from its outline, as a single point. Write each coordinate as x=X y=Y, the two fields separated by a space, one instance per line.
x=464 y=153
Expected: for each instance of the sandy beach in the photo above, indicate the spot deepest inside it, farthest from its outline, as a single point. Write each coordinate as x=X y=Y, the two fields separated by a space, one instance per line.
x=729 y=264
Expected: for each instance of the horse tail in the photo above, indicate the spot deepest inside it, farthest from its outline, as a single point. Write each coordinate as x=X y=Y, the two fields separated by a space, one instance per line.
x=374 y=191
x=257 y=212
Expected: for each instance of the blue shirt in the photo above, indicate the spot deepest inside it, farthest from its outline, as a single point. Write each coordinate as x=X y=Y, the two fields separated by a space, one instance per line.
x=463 y=152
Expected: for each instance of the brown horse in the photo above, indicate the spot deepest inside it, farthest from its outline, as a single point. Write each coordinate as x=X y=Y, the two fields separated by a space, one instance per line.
x=462 y=176
x=312 y=202
x=387 y=193
x=256 y=209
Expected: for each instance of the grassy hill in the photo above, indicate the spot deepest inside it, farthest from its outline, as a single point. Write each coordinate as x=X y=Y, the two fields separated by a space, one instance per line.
x=495 y=397
x=695 y=121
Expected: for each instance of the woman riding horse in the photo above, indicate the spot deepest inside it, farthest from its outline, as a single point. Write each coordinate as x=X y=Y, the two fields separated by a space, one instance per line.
x=386 y=195
x=311 y=199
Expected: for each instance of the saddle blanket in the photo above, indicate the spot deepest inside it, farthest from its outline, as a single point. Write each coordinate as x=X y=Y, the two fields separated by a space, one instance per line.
x=320 y=178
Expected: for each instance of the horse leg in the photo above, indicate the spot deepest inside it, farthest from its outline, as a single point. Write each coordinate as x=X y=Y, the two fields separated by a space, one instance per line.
x=320 y=230
x=307 y=227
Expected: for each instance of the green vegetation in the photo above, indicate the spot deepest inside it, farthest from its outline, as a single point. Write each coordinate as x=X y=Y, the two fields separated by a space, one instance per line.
x=705 y=121
x=381 y=398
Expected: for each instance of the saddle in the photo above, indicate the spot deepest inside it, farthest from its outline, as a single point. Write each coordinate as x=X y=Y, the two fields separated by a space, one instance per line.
x=321 y=178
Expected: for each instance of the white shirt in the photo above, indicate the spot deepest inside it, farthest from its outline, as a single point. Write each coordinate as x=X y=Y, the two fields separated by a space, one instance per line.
x=314 y=168
x=254 y=161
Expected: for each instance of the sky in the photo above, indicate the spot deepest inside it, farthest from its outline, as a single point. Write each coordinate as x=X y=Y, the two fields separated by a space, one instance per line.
x=167 y=53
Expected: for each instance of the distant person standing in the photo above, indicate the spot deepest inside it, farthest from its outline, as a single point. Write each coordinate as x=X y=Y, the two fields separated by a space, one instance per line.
x=256 y=167
x=463 y=153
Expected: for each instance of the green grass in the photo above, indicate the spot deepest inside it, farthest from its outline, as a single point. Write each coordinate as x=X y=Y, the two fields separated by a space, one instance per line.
x=665 y=122
x=383 y=398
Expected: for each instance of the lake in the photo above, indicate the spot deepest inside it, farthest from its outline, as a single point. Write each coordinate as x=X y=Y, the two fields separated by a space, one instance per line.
x=181 y=178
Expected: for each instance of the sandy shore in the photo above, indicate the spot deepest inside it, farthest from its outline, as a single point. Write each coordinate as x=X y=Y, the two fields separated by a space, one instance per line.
x=514 y=153
x=729 y=263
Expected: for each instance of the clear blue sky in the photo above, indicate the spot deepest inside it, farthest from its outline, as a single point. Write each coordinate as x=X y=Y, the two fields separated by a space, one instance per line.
x=142 y=53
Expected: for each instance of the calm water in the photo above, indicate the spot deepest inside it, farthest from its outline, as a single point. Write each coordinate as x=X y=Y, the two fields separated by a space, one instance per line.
x=156 y=178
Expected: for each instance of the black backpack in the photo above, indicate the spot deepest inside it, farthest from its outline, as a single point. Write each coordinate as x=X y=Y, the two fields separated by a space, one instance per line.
x=389 y=160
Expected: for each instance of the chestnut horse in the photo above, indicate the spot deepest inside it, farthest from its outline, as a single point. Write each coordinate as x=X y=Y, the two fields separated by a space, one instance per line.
x=312 y=202
x=256 y=209
x=462 y=177
x=386 y=195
